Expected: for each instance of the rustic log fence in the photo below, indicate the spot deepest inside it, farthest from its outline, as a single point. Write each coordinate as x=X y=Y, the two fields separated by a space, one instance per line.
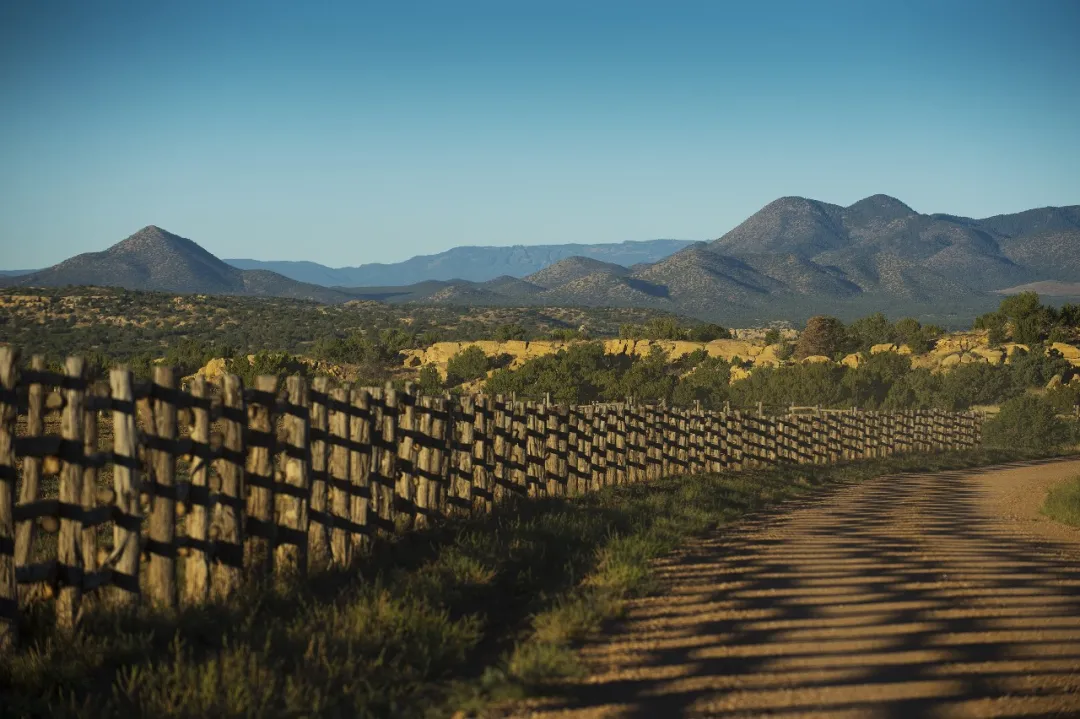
x=209 y=487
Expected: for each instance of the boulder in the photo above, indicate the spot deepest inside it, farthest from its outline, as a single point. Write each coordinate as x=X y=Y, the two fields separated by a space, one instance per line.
x=729 y=349
x=1069 y=352
x=852 y=361
x=950 y=360
x=887 y=347
x=738 y=373
x=1055 y=382
x=816 y=359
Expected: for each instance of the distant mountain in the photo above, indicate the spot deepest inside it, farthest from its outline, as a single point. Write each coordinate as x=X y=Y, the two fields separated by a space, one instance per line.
x=797 y=257
x=155 y=259
x=794 y=258
x=15 y=273
x=476 y=264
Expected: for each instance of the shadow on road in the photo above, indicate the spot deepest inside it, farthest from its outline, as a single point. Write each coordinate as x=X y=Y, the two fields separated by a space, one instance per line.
x=897 y=598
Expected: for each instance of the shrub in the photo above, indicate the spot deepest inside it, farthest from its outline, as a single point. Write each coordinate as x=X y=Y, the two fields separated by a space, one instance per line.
x=822 y=336
x=772 y=337
x=1026 y=422
x=468 y=364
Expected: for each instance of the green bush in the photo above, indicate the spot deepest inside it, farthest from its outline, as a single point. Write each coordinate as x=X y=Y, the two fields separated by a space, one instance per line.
x=1062 y=502
x=1027 y=422
x=468 y=364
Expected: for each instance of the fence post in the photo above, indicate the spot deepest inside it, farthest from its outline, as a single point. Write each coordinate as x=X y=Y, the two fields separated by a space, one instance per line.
x=439 y=477
x=260 y=501
x=405 y=489
x=9 y=599
x=480 y=490
x=161 y=539
x=292 y=554
x=227 y=529
x=197 y=565
x=388 y=458
x=88 y=500
x=126 y=529
x=28 y=492
x=68 y=555
x=360 y=466
x=319 y=522
x=339 y=477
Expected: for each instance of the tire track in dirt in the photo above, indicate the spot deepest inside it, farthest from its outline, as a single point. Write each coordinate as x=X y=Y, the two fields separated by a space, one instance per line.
x=905 y=596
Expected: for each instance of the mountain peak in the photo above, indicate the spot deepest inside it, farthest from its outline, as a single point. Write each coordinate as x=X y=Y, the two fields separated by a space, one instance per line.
x=882 y=204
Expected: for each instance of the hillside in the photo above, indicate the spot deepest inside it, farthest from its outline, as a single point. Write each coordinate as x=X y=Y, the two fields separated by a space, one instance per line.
x=155 y=259
x=475 y=264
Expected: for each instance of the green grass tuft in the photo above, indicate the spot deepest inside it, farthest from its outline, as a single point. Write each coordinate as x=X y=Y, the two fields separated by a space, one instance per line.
x=1062 y=503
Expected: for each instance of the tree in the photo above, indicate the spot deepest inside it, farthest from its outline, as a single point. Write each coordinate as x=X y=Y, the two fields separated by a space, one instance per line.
x=510 y=332
x=708 y=333
x=429 y=382
x=823 y=336
x=468 y=364
x=772 y=337
x=1026 y=422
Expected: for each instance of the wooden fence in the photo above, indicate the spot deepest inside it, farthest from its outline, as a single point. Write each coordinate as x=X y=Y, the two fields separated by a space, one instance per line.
x=152 y=493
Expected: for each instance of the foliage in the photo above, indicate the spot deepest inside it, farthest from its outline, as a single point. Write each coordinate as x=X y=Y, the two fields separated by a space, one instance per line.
x=465 y=366
x=1062 y=503
x=429 y=382
x=1026 y=422
x=772 y=336
x=823 y=336
x=669 y=328
x=510 y=332
x=265 y=363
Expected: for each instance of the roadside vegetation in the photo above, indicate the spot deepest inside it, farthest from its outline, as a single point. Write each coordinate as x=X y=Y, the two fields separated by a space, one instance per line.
x=473 y=612
x=1062 y=503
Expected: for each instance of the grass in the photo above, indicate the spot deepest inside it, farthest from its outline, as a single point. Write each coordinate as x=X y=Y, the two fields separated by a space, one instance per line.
x=1062 y=503
x=472 y=613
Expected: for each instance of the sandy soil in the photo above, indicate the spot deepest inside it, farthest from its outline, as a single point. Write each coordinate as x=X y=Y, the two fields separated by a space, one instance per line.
x=941 y=595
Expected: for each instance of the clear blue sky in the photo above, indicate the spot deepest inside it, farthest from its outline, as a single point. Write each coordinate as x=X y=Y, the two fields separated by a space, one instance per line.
x=351 y=132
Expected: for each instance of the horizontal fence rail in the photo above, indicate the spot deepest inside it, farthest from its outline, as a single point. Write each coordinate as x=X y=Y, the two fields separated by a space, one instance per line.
x=129 y=492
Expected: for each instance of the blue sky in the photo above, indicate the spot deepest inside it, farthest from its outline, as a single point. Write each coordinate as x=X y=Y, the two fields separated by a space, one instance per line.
x=352 y=132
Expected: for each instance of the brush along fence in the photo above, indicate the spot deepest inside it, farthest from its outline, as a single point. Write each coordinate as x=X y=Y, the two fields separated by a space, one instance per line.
x=151 y=493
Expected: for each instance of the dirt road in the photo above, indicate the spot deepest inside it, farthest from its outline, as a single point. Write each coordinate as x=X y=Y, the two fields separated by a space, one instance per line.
x=939 y=595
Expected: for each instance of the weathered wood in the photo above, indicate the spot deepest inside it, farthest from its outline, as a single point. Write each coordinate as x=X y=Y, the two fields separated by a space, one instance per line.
x=389 y=461
x=227 y=527
x=318 y=548
x=31 y=478
x=481 y=489
x=260 y=536
x=425 y=466
x=405 y=485
x=126 y=484
x=197 y=564
x=437 y=479
x=68 y=554
x=360 y=466
x=291 y=556
x=161 y=530
x=340 y=546
x=9 y=599
x=88 y=500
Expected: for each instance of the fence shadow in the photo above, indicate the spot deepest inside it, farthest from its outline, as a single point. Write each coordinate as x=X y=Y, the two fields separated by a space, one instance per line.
x=897 y=599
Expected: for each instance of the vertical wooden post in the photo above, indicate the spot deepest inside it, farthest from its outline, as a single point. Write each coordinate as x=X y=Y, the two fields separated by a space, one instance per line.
x=227 y=529
x=68 y=553
x=437 y=480
x=480 y=492
x=463 y=437
x=552 y=484
x=197 y=565
x=340 y=546
x=518 y=448
x=572 y=458
x=88 y=500
x=319 y=524
x=360 y=466
x=424 y=468
x=161 y=539
x=259 y=547
x=388 y=462
x=405 y=488
x=126 y=483
x=9 y=600
x=31 y=479
x=292 y=555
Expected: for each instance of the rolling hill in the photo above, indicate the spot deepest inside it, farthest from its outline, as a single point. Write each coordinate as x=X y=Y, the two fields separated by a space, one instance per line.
x=155 y=259
x=475 y=264
x=794 y=258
